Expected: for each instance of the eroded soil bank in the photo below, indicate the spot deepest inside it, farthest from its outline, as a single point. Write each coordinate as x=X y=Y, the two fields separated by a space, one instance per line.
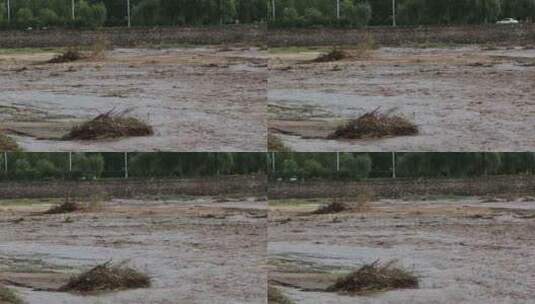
x=463 y=249
x=196 y=98
x=195 y=249
x=462 y=98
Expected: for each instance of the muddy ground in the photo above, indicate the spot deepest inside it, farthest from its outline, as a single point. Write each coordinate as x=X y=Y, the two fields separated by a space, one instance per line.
x=463 y=98
x=196 y=98
x=463 y=249
x=195 y=249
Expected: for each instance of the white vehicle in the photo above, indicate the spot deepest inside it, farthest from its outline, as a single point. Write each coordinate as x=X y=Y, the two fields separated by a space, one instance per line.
x=508 y=21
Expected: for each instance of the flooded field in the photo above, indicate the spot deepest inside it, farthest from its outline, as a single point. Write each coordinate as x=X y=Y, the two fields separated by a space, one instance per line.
x=469 y=98
x=462 y=249
x=194 y=249
x=195 y=98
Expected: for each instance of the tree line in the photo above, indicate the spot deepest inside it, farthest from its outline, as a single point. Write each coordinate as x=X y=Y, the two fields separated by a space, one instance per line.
x=357 y=13
x=350 y=166
x=353 y=13
x=88 y=166
x=96 y=13
x=356 y=166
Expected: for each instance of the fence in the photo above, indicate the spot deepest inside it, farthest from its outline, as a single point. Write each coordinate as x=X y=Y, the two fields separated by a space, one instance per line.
x=249 y=185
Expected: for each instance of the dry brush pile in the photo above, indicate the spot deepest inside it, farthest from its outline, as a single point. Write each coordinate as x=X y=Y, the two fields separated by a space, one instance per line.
x=375 y=277
x=107 y=277
x=110 y=125
x=375 y=124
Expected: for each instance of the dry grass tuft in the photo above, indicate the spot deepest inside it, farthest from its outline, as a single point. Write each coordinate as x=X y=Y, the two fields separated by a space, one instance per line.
x=275 y=144
x=70 y=55
x=374 y=125
x=375 y=277
x=276 y=297
x=362 y=203
x=7 y=144
x=99 y=47
x=366 y=48
x=109 y=125
x=7 y=296
x=107 y=277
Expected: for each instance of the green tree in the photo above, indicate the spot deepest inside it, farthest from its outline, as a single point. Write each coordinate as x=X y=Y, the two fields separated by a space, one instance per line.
x=48 y=16
x=355 y=167
x=46 y=168
x=290 y=169
x=24 y=16
x=313 y=168
x=89 y=166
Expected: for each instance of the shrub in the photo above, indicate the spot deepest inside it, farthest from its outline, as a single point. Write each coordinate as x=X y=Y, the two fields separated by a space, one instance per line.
x=355 y=167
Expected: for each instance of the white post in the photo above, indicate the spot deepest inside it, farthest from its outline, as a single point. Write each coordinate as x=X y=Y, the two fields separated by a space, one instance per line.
x=273 y=161
x=70 y=161
x=273 y=8
x=393 y=164
x=337 y=161
x=125 y=165
x=128 y=12
x=338 y=9
x=72 y=9
x=8 y=11
x=394 y=12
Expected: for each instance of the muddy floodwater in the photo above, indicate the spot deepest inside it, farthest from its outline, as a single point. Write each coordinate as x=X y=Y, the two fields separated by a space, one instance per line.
x=197 y=99
x=469 y=98
x=196 y=250
x=463 y=250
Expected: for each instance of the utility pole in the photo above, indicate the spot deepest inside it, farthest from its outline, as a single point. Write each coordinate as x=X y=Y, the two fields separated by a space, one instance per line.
x=8 y=11
x=273 y=162
x=128 y=13
x=338 y=9
x=393 y=164
x=394 y=13
x=70 y=161
x=5 y=162
x=125 y=165
x=273 y=8
x=337 y=162
x=72 y=9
